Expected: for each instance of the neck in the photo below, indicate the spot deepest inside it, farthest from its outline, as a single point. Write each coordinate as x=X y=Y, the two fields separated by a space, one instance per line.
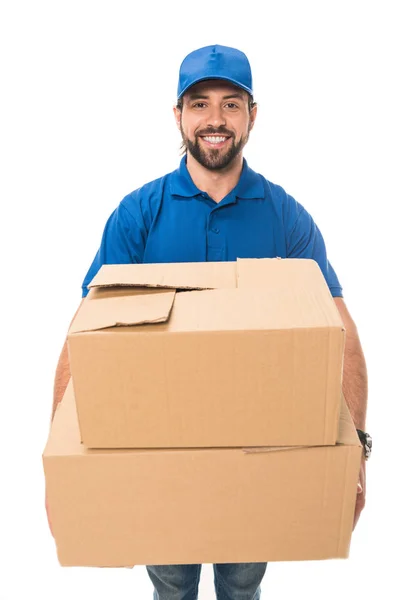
x=217 y=184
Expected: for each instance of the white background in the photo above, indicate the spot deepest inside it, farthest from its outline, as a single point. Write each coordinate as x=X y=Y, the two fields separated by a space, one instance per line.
x=86 y=117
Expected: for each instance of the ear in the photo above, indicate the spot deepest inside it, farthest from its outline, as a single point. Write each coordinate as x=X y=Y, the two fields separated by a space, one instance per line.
x=178 y=116
x=253 y=115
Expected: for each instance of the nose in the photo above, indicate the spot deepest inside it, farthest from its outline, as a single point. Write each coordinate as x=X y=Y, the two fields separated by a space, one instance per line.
x=216 y=117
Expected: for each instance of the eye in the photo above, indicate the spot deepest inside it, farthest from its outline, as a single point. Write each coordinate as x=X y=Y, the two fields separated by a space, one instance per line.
x=232 y=105
x=199 y=105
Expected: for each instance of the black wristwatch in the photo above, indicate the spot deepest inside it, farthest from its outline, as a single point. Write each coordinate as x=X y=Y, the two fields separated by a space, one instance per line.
x=366 y=441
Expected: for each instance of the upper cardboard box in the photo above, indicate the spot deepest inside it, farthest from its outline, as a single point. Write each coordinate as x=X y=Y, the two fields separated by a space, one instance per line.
x=128 y=507
x=208 y=354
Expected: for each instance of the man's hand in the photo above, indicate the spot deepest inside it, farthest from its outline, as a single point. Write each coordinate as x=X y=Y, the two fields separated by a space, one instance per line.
x=361 y=489
x=48 y=516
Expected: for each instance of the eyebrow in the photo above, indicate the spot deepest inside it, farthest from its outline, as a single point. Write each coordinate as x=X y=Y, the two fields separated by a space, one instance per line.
x=205 y=97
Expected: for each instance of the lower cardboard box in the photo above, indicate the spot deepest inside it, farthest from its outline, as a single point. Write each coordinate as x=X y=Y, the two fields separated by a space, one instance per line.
x=115 y=508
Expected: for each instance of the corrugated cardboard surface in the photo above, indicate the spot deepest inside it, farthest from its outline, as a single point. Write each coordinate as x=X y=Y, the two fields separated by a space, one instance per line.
x=189 y=506
x=256 y=362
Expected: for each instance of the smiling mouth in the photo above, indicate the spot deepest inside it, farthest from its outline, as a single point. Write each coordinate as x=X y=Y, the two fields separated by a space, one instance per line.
x=216 y=141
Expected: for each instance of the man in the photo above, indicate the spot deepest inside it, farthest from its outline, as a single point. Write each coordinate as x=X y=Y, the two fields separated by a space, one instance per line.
x=215 y=208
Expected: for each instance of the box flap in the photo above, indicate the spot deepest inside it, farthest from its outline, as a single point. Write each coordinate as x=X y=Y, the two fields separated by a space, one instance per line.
x=251 y=310
x=190 y=276
x=100 y=312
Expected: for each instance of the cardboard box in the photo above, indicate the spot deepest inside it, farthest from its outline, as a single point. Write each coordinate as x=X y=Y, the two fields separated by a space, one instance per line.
x=116 y=508
x=255 y=361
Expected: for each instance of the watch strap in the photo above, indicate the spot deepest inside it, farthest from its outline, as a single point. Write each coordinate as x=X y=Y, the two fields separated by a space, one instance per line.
x=366 y=441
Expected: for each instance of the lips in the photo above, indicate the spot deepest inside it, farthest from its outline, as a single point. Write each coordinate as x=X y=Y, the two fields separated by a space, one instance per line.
x=215 y=141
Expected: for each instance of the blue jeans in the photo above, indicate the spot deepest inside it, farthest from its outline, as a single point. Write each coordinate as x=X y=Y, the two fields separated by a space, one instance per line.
x=233 y=581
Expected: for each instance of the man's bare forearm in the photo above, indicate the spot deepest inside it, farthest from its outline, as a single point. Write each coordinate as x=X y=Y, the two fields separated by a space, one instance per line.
x=355 y=379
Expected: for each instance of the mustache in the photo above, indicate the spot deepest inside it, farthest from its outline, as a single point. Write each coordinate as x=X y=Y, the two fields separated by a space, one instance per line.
x=212 y=130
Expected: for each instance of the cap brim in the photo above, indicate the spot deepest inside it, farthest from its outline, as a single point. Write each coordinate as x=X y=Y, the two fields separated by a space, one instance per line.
x=216 y=77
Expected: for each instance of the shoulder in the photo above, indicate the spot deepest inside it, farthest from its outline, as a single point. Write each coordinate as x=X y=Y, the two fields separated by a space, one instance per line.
x=285 y=204
x=145 y=201
x=145 y=193
x=276 y=192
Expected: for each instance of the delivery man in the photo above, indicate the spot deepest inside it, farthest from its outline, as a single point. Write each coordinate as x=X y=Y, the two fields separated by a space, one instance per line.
x=215 y=208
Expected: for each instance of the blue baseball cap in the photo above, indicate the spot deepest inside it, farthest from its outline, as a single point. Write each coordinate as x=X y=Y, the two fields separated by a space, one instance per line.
x=215 y=62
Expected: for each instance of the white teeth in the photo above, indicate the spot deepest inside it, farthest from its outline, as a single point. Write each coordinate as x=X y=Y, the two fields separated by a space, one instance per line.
x=214 y=139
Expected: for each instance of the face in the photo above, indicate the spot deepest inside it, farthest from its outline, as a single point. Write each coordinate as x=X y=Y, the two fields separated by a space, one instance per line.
x=215 y=122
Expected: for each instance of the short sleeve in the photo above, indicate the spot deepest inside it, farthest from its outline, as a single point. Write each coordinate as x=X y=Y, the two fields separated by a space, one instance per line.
x=304 y=240
x=123 y=242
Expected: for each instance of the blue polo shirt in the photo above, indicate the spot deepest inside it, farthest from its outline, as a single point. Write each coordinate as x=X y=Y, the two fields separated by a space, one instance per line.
x=171 y=220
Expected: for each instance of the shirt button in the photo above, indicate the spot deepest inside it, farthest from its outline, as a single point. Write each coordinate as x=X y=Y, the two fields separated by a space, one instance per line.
x=215 y=230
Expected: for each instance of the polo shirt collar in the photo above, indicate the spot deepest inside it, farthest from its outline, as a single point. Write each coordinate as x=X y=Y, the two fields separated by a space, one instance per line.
x=181 y=183
x=249 y=186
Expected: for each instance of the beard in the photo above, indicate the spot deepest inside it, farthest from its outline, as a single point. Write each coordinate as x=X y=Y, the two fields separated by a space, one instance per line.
x=214 y=159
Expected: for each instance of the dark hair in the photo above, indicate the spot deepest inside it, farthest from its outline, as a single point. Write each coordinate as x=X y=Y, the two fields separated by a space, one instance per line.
x=179 y=106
